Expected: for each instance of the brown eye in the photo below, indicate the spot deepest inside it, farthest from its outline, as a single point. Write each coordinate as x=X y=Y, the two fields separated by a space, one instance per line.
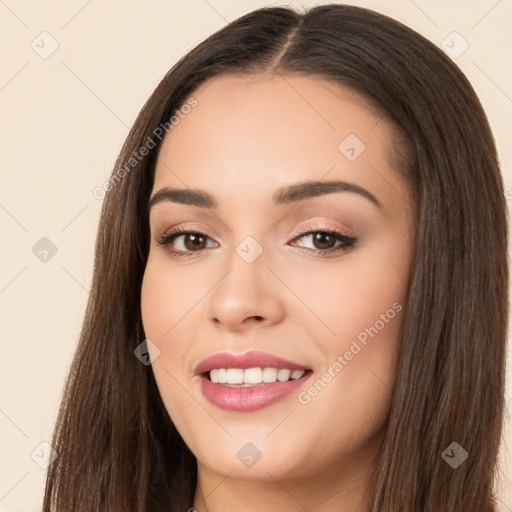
x=327 y=242
x=181 y=242
x=323 y=241
x=193 y=241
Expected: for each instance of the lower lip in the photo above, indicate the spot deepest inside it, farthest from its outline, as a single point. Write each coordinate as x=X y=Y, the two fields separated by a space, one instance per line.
x=249 y=398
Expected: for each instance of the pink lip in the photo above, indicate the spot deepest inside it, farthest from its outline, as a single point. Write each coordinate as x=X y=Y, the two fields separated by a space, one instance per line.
x=250 y=359
x=248 y=398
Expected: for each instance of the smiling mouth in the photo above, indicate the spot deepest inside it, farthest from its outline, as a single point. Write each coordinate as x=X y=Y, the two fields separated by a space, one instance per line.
x=250 y=389
x=249 y=381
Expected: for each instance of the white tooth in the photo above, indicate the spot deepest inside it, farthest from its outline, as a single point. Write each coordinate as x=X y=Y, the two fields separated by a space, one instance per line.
x=269 y=375
x=297 y=374
x=222 y=375
x=283 y=375
x=253 y=376
x=234 y=376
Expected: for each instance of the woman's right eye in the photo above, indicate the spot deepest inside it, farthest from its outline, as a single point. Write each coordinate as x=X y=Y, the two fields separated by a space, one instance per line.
x=193 y=241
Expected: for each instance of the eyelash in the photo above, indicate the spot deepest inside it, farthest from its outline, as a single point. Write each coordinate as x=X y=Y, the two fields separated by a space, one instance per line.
x=347 y=242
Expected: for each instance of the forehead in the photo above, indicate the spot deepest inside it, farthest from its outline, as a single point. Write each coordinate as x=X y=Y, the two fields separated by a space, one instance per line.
x=252 y=133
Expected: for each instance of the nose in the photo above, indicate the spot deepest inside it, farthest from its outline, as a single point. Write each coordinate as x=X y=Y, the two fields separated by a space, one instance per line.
x=247 y=295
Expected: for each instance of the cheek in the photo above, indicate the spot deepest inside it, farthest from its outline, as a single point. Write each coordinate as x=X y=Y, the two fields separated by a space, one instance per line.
x=165 y=302
x=169 y=305
x=361 y=304
x=169 y=300
x=159 y=299
x=351 y=294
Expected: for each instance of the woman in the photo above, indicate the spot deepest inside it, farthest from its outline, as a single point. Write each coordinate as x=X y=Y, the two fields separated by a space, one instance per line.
x=337 y=341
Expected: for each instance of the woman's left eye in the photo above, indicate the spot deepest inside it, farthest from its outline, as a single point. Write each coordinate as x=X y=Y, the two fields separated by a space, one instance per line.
x=324 y=241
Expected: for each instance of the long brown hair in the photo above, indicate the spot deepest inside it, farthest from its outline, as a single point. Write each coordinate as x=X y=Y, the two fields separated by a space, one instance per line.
x=118 y=449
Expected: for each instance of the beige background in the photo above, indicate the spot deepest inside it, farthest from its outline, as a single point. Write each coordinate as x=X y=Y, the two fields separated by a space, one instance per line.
x=64 y=118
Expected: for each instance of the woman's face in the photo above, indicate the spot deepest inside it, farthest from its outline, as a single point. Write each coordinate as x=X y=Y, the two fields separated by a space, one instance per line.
x=313 y=274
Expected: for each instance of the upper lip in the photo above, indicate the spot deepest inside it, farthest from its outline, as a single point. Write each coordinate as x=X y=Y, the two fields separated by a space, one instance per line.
x=250 y=359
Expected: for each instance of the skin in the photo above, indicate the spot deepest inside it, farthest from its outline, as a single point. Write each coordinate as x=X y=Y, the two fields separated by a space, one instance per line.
x=248 y=136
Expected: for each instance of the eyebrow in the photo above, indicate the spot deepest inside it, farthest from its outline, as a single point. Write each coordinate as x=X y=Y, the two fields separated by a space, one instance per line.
x=285 y=195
